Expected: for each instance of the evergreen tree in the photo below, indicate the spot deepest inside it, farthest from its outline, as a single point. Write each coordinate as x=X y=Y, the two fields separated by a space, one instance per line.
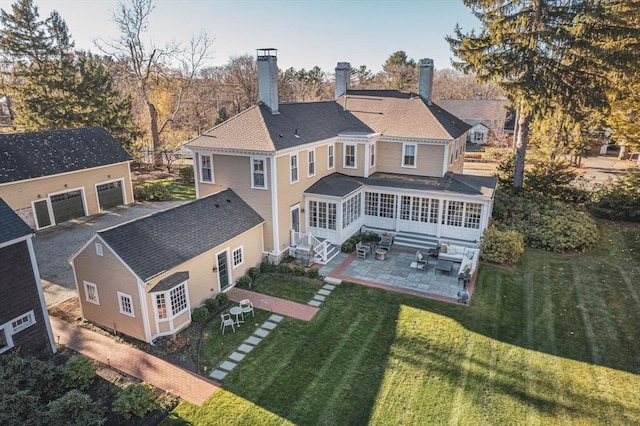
x=401 y=71
x=548 y=54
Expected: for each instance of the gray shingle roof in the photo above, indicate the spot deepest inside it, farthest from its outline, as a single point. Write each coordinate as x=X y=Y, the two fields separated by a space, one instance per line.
x=161 y=241
x=388 y=112
x=490 y=112
x=340 y=185
x=12 y=225
x=36 y=154
x=171 y=281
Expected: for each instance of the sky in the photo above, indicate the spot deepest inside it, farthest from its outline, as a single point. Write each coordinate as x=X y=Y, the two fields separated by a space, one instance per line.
x=305 y=32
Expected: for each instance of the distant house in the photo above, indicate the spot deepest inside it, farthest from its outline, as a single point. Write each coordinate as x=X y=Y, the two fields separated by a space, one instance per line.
x=144 y=277
x=57 y=175
x=484 y=115
x=24 y=321
x=318 y=172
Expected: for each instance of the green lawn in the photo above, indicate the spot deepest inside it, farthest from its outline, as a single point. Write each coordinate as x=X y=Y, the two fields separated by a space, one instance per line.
x=179 y=191
x=297 y=289
x=554 y=341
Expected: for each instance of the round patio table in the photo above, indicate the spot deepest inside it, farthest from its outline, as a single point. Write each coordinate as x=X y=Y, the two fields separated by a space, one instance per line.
x=381 y=254
x=237 y=312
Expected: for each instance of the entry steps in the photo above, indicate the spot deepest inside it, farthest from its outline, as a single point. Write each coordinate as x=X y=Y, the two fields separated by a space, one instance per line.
x=420 y=241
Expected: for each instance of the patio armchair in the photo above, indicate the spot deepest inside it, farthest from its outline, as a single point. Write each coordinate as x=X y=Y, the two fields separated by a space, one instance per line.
x=386 y=241
x=227 y=321
x=247 y=306
x=362 y=250
x=421 y=261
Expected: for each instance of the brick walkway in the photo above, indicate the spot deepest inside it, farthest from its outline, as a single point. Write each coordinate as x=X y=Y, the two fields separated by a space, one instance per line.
x=161 y=374
x=274 y=304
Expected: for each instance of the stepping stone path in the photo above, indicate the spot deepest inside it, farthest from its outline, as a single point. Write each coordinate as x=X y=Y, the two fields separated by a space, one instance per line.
x=247 y=346
x=324 y=292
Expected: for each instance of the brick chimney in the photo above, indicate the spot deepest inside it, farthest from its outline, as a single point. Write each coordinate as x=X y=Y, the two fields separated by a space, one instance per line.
x=343 y=77
x=268 y=78
x=425 y=82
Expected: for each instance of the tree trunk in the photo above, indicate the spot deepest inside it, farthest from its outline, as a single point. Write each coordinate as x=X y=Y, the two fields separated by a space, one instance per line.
x=521 y=147
x=515 y=127
x=155 y=135
x=624 y=149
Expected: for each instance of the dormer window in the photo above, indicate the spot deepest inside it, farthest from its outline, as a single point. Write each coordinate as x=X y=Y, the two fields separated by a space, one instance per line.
x=206 y=168
x=409 y=151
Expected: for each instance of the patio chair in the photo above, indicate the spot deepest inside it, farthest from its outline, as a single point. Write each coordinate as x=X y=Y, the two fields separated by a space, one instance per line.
x=421 y=261
x=386 y=241
x=362 y=250
x=227 y=321
x=247 y=306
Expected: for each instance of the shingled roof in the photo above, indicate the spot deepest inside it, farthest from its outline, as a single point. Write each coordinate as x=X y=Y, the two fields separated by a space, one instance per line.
x=159 y=242
x=36 y=154
x=490 y=112
x=12 y=225
x=388 y=112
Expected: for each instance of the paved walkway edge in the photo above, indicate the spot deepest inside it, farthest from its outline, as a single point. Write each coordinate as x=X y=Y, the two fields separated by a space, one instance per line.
x=183 y=383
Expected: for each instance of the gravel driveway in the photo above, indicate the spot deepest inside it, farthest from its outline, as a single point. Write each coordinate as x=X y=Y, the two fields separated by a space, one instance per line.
x=54 y=246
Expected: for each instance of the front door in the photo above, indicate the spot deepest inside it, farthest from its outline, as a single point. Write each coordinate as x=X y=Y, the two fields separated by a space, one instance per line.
x=223 y=271
x=295 y=218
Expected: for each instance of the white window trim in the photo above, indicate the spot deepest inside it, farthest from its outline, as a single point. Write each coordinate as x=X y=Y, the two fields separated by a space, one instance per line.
x=310 y=152
x=200 y=157
x=131 y=314
x=99 y=250
x=355 y=155
x=415 y=155
x=297 y=168
x=88 y=284
x=233 y=262
x=7 y=334
x=372 y=155
x=29 y=323
x=168 y=306
x=331 y=153
x=264 y=168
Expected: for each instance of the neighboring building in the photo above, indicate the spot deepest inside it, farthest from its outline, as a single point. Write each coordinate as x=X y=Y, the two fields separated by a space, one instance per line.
x=484 y=115
x=318 y=172
x=24 y=321
x=143 y=277
x=57 y=175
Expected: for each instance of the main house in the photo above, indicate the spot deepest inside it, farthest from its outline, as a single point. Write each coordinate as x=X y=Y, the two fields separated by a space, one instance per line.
x=53 y=176
x=318 y=172
x=24 y=321
x=143 y=277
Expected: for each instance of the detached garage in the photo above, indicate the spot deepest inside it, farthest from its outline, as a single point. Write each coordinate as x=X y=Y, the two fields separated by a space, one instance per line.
x=54 y=176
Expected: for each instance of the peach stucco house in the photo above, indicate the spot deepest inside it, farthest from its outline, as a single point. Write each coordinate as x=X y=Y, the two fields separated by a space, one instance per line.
x=142 y=278
x=52 y=176
x=319 y=172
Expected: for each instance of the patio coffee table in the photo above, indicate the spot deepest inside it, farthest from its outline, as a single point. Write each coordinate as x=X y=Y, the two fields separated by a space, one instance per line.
x=444 y=266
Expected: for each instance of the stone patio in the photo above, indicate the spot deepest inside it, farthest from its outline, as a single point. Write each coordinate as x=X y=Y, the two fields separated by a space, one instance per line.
x=396 y=272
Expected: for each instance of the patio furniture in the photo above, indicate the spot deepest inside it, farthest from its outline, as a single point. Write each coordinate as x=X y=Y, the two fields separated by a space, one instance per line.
x=444 y=265
x=237 y=312
x=362 y=250
x=227 y=321
x=247 y=306
x=433 y=252
x=381 y=254
x=421 y=261
x=386 y=241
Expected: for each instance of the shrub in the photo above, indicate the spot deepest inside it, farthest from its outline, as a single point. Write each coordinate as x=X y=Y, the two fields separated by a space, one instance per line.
x=200 y=314
x=186 y=174
x=503 y=247
x=154 y=191
x=75 y=408
x=284 y=268
x=135 y=401
x=79 y=372
x=253 y=273
x=211 y=304
x=244 y=282
x=266 y=267
x=618 y=199
x=222 y=299
x=496 y=154
x=348 y=246
x=313 y=273
x=298 y=270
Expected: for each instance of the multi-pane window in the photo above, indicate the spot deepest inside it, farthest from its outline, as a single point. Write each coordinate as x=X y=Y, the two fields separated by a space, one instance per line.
x=161 y=306
x=293 y=159
x=313 y=214
x=351 y=210
x=454 y=213
x=206 y=168
x=322 y=215
x=409 y=155
x=372 y=155
x=258 y=173
x=126 y=304
x=238 y=258
x=350 y=156
x=23 y=322
x=405 y=207
x=91 y=292
x=330 y=157
x=388 y=205
x=433 y=211
x=331 y=216
x=371 y=203
x=472 y=214
x=415 y=210
x=178 y=297
x=311 y=161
